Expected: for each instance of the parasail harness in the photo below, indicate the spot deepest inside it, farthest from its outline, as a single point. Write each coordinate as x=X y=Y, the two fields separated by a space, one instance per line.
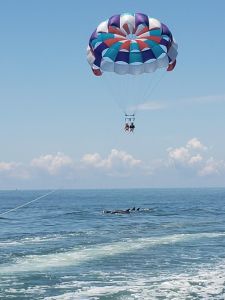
x=129 y=122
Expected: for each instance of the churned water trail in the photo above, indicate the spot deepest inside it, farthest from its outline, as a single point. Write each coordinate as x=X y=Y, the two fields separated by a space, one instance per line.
x=204 y=283
x=66 y=248
x=78 y=256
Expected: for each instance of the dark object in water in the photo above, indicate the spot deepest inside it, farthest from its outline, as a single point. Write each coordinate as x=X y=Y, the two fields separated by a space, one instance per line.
x=126 y=211
x=117 y=211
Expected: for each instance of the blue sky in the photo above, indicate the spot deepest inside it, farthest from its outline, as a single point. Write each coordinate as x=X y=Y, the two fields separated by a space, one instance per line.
x=60 y=127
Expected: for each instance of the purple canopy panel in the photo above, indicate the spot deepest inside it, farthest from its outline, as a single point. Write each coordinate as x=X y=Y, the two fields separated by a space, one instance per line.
x=97 y=61
x=123 y=56
x=114 y=21
x=165 y=43
x=98 y=51
x=165 y=30
x=141 y=19
x=147 y=54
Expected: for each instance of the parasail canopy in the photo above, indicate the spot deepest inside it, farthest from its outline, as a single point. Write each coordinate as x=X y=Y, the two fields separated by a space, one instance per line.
x=131 y=44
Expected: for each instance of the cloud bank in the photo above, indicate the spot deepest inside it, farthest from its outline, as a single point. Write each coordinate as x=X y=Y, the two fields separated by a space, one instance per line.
x=191 y=161
x=52 y=164
x=194 y=155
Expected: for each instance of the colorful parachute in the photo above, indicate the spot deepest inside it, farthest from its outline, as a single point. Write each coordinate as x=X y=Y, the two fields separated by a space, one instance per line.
x=131 y=44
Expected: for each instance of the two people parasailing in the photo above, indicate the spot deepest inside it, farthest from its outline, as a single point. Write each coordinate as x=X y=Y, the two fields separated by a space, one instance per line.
x=129 y=123
x=129 y=128
x=144 y=40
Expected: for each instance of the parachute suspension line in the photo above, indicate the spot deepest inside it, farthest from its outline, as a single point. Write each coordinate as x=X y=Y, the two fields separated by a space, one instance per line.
x=130 y=87
x=27 y=203
x=142 y=93
x=152 y=79
x=113 y=94
x=156 y=83
x=149 y=91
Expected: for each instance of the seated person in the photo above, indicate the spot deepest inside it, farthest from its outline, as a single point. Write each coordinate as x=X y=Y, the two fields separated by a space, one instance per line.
x=132 y=126
x=126 y=127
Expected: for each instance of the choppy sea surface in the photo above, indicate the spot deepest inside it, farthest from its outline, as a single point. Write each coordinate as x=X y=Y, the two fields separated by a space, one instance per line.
x=63 y=247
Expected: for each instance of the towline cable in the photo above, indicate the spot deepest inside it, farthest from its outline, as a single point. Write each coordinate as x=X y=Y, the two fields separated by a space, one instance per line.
x=27 y=203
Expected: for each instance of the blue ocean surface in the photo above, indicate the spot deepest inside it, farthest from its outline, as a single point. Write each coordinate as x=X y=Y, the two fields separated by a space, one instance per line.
x=64 y=247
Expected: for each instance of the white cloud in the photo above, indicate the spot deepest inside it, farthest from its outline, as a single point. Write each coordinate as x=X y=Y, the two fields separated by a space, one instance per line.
x=115 y=158
x=158 y=105
x=7 y=166
x=181 y=154
x=13 y=169
x=52 y=163
x=149 y=106
x=195 y=159
x=92 y=160
x=212 y=167
x=63 y=168
x=199 y=100
x=116 y=162
x=195 y=144
x=192 y=161
x=206 y=99
x=187 y=156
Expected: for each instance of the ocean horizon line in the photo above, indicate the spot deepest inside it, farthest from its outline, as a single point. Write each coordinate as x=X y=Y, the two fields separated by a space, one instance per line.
x=113 y=188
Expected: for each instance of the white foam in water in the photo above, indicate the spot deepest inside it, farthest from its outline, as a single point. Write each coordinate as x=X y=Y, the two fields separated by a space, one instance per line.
x=77 y=256
x=206 y=283
x=89 y=293
x=30 y=240
x=37 y=239
x=37 y=290
x=9 y=243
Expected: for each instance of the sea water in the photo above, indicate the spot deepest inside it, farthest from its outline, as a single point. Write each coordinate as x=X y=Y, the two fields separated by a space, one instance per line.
x=64 y=247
